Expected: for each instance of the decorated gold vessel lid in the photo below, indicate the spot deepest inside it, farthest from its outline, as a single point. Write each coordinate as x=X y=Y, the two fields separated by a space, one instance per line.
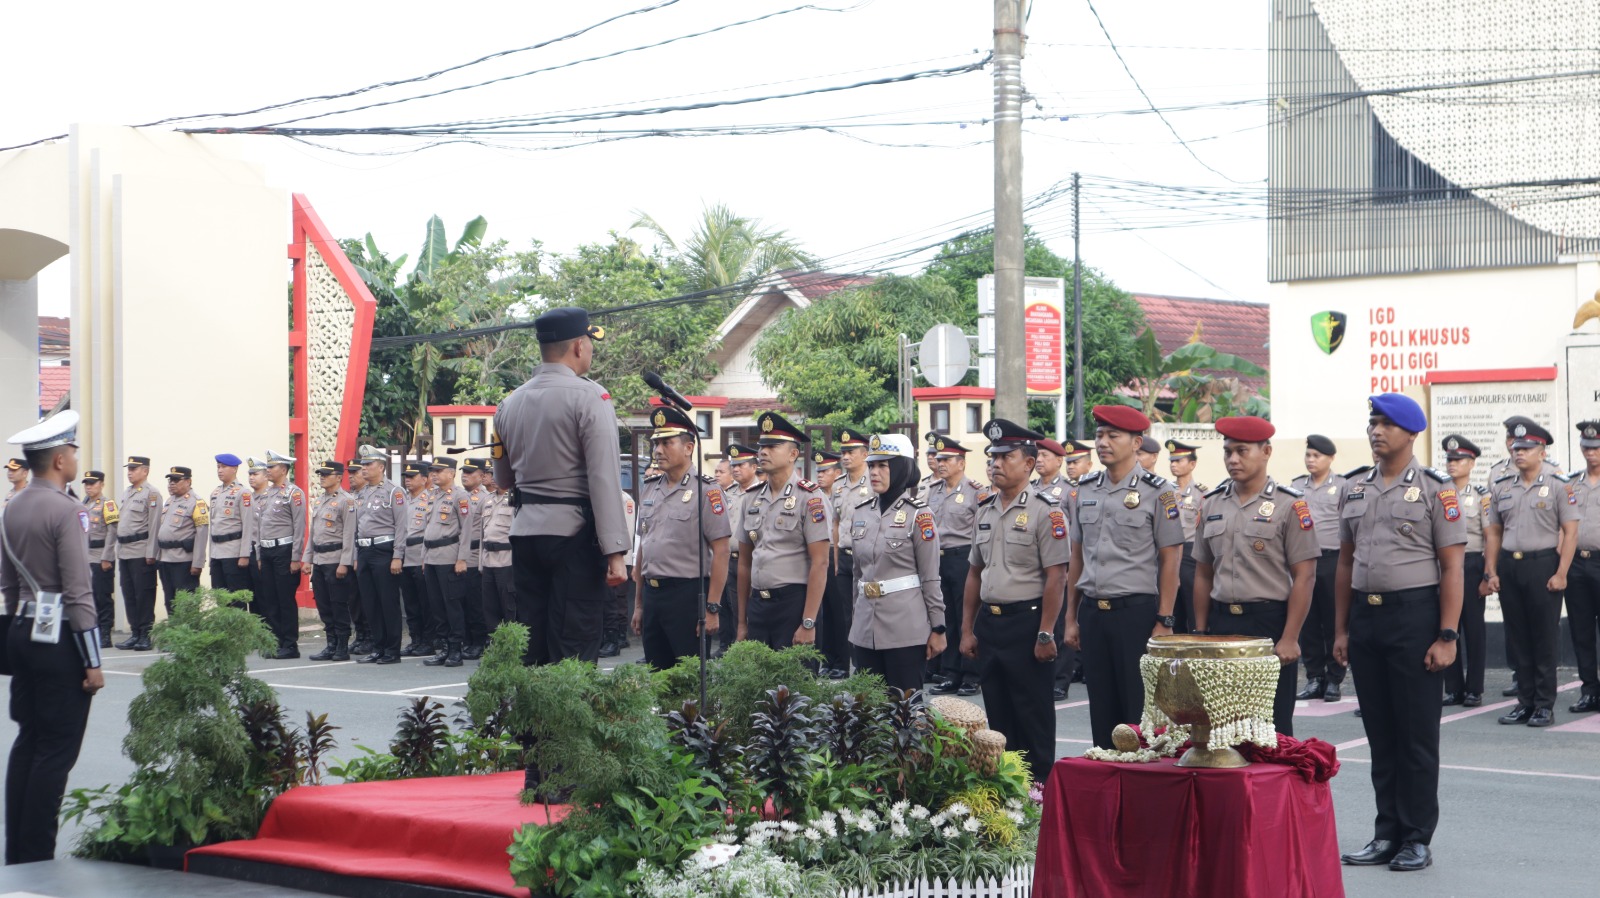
x=1199 y=646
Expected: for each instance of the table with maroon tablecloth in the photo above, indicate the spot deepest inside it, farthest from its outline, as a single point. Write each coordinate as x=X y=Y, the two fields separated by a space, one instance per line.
x=1156 y=830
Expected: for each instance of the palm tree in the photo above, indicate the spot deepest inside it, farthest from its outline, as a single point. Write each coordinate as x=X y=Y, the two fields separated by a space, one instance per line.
x=726 y=249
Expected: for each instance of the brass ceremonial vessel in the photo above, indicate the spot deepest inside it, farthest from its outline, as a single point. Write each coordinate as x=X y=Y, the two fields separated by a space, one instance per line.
x=1179 y=695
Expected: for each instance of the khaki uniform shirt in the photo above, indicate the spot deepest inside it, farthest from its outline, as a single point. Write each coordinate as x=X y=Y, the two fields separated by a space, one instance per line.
x=475 y=542
x=418 y=508
x=1056 y=488
x=1189 y=501
x=1015 y=544
x=668 y=520
x=333 y=530
x=185 y=520
x=778 y=528
x=381 y=511
x=1123 y=527
x=257 y=503
x=1588 y=513
x=955 y=511
x=11 y=494
x=845 y=496
x=138 y=512
x=1397 y=530
x=900 y=541
x=1531 y=515
x=1251 y=541
x=47 y=531
x=228 y=509
x=558 y=436
x=452 y=518
x=100 y=533
x=283 y=513
x=735 y=496
x=1474 y=500
x=497 y=517
x=1324 y=502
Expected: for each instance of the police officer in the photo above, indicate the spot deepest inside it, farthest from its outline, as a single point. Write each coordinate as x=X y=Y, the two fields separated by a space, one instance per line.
x=1530 y=538
x=827 y=467
x=330 y=555
x=783 y=552
x=448 y=540
x=181 y=534
x=557 y=437
x=899 y=619
x=1508 y=465
x=426 y=632
x=255 y=504
x=53 y=643
x=1126 y=549
x=17 y=477
x=102 y=576
x=1583 y=580
x=1398 y=601
x=1256 y=556
x=953 y=501
x=1324 y=676
x=1079 y=460
x=742 y=468
x=930 y=442
x=835 y=645
x=474 y=472
x=1048 y=476
x=380 y=538
x=360 y=627
x=1181 y=461
x=619 y=598
x=135 y=551
x=1012 y=597
x=1149 y=453
x=679 y=513
x=499 y=587
x=227 y=510
x=851 y=488
x=280 y=546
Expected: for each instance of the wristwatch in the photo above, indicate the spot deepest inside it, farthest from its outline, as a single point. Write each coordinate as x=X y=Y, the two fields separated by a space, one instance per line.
x=941 y=629
x=1168 y=621
x=1448 y=635
x=1045 y=637
x=809 y=623
x=713 y=608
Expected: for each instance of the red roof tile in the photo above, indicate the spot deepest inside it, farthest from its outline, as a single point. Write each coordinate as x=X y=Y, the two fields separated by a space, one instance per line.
x=1239 y=328
x=55 y=334
x=815 y=284
x=743 y=408
x=54 y=382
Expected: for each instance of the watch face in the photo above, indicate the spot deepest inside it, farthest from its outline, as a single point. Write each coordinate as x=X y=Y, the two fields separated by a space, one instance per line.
x=1045 y=637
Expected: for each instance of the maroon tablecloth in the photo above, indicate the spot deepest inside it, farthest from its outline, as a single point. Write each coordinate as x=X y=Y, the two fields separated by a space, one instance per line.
x=1158 y=830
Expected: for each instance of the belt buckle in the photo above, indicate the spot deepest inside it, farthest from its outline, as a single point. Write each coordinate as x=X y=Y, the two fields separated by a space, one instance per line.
x=994 y=610
x=1374 y=599
x=1103 y=604
x=1517 y=555
x=764 y=593
x=654 y=583
x=872 y=590
x=1585 y=553
x=1235 y=609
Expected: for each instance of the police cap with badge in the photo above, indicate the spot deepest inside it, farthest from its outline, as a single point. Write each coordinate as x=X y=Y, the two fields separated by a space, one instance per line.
x=329 y=468
x=1530 y=436
x=1457 y=447
x=948 y=447
x=179 y=472
x=825 y=460
x=1006 y=436
x=1589 y=435
x=1176 y=449
x=566 y=323
x=668 y=422
x=739 y=454
x=777 y=430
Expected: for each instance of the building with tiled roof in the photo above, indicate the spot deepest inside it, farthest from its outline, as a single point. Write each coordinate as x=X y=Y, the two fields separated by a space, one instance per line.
x=1237 y=328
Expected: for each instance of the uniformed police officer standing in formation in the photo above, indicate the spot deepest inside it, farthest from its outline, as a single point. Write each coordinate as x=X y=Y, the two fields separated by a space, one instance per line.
x=827 y=467
x=1465 y=687
x=1126 y=548
x=678 y=509
x=835 y=646
x=136 y=551
x=380 y=536
x=102 y=576
x=1181 y=461
x=360 y=627
x=425 y=632
x=1398 y=600
x=1583 y=580
x=499 y=586
x=1324 y=676
x=899 y=619
x=227 y=508
x=557 y=436
x=330 y=556
x=930 y=443
x=53 y=642
x=1013 y=595
x=849 y=490
x=742 y=468
x=1048 y=476
x=16 y=477
x=447 y=539
x=255 y=503
x=1530 y=538
x=784 y=541
x=1499 y=469
x=1149 y=453
x=181 y=535
x=1078 y=461
x=280 y=545
x=474 y=472
x=1256 y=557
x=953 y=501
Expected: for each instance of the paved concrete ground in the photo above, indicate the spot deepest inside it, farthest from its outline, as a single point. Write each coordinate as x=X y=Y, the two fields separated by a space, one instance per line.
x=1521 y=807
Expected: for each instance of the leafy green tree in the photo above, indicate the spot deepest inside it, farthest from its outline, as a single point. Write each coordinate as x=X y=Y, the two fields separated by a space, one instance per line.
x=1198 y=396
x=726 y=249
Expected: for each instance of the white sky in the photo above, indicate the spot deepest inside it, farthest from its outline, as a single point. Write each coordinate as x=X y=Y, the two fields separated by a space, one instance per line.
x=131 y=63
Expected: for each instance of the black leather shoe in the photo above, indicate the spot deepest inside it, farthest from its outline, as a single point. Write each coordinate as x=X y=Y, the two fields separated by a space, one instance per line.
x=286 y=652
x=1377 y=852
x=1585 y=704
x=1412 y=856
x=943 y=687
x=1543 y=717
x=362 y=646
x=609 y=648
x=453 y=658
x=1332 y=692
x=325 y=655
x=472 y=652
x=1509 y=691
x=372 y=658
x=837 y=674
x=417 y=650
x=127 y=645
x=968 y=689
x=388 y=658
x=1452 y=698
x=105 y=640
x=436 y=660
x=143 y=645
x=1060 y=693
x=1313 y=690
x=1471 y=700
x=1358 y=712
x=1519 y=714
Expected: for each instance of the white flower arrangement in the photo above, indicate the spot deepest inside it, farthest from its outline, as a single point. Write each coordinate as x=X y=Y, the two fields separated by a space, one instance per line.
x=1237 y=693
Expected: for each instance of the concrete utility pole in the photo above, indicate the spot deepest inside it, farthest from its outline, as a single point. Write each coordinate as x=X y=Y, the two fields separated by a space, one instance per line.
x=1011 y=396
x=1077 y=318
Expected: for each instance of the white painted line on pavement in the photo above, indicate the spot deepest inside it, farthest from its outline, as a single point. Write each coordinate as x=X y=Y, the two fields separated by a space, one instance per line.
x=426 y=688
x=1461 y=715
x=1569 y=776
x=317 y=665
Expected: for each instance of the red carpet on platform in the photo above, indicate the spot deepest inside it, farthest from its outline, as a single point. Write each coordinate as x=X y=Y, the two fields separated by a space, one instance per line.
x=443 y=832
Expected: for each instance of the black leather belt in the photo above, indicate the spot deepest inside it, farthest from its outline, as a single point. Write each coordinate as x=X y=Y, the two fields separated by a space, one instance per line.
x=413 y=540
x=999 y=608
x=954 y=550
x=441 y=543
x=1398 y=597
x=490 y=545
x=669 y=582
x=139 y=537
x=1248 y=608
x=476 y=544
x=186 y=545
x=1528 y=556
x=1582 y=553
x=97 y=544
x=226 y=537
x=524 y=497
x=326 y=547
x=850 y=552
x=1111 y=604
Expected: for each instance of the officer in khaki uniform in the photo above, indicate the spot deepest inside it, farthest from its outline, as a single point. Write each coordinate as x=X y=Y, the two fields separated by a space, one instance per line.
x=1256 y=556
x=1012 y=597
x=1398 y=599
x=330 y=554
x=953 y=500
x=181 y=536
x=1127 y=543
x=742 y=468
x=850 y=488
x=899 y=619
x=784 y=539
x=1181 y=461
x=679 y=513
x=102 y=576
x=1583 y=580
x=227 y=507
x=474 y=473
x=1050 y=478
x=1079 y=460
x=1465 y=687
x=1324 y=676
x=426 y=632
x=17 y=476
x=280 y=546
x=499 y=589
x=448 y=540
x=135 y=552
x=1530 y=538
x=380 y=543
x=360 y=489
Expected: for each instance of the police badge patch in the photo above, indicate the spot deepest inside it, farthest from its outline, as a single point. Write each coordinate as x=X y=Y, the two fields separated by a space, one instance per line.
x=924 y=525
x=1058 y=524
x=1452 y=508
x=815 y=509
x=714 y=497
x=1302 y=513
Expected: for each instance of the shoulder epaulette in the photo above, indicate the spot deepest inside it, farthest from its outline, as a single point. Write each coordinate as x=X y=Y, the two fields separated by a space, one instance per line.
x=1505 y=478
x=987 y=499
x=806 y=485
x=1090 y=478
x=1437 y=474
x=1201 y=487
x=1301 y=477
x=1482 y=490
x=1357 y=472
x=865 y=501
x=975 y=484
x=1298 y=494
x=707 y=478
x=1564 y=478
x=1049 y=499
x=916 y=501
x=1216 y=490
x=1155 y=480
x=652 y=478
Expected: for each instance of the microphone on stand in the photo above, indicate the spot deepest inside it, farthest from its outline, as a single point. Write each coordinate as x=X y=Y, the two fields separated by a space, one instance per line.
x=654 y=382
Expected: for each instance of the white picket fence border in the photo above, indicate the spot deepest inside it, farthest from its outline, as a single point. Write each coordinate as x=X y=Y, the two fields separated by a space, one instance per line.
x=1018 y=883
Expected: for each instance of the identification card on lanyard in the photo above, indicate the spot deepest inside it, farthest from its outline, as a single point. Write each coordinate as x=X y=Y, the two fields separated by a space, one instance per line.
x=47 y=618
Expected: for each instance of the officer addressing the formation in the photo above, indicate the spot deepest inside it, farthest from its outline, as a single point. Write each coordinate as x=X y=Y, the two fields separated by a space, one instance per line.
x=1181 y=462
x=1398 y=599
x=1126 y=548
x=1324 y=676
x=1018 y=560
x=52 y=639
x=678 y=509
x=228 y=511
x=181 y=536
x=280 y=544
x=557 y=453
x=1530 y=538
x=1583 y=581
x=1463 y=681
x=1256 y=556
x=101 y=575
x=953 y=500
x=135 y=552
x=330 y=554
x=899 y=617
x=784 y=539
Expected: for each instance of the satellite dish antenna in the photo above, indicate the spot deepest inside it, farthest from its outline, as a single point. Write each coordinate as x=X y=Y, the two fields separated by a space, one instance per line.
x=944 y=355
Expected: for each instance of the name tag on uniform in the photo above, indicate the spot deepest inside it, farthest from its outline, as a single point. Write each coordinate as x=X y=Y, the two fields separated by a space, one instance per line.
x=1088 y=502
x=1214 y=517
x=983 y=526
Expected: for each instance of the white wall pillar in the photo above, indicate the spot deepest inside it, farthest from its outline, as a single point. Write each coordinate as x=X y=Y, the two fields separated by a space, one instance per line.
x=19 y=355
